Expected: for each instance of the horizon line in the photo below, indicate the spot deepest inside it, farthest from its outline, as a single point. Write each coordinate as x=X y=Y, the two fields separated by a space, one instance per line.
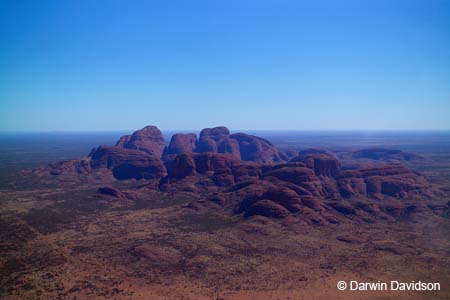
x=233 y=130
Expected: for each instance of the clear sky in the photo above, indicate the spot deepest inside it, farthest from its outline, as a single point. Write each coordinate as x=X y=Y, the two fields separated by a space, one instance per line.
x=116 y=65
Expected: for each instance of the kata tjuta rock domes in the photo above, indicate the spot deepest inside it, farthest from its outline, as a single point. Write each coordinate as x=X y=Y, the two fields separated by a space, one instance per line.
x=248 y=173
x=216 y=140
x=182 y=143
x=128 y=163
x=148 y=139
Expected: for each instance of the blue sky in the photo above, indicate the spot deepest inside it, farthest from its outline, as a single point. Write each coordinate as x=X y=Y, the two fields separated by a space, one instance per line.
x=120 y=65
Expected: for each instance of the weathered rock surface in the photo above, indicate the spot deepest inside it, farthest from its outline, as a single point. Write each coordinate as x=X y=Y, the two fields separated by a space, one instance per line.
x=299 y=175
x=392 y=180
x=308 y=151
x=258 y=191
x=128 y=163
x=385 y=154
x=247 y=175
x=111 y=191
x=267 y=208
x=288 y=155
x=182 y=166
x=148 y=139
x=240 y=145
x=182 y=143
x=323 y=164
x=77 y=166
x=296 y=185
x=124 y=139
x=217 y=140
x=253 y=148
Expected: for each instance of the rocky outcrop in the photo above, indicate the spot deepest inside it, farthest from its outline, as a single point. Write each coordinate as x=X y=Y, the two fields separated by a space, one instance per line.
x=265 y=191
x=253 y=148
x=128 y=163
x=148 y=139
x=124 y=139
x=217 y=140
x=295 y=185
x=219 y=166
x=288 y=155
x=308 y=151
x=223 y=169
x=323 y=164
x=390 y=180
x=385 y=154
x=267 y=208
x=299 y=175
x=182 y=166
x=285 y=198
x=352 y=186
x=247 y=175
x=240 y=145
x=343 y=207
x=213 y=162
x=112 y=192
x=182 y=143
x=77 y=166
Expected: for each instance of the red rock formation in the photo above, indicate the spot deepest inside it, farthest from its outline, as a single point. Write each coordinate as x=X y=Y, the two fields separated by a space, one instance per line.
x=223 y=169
x=308 y=151
x=323 y=164
x=343 y=207
x=240 y=145
x=267 y=208
x=111 y=191
x=288 y=155
x=182 y=143
x=253 y=148
x=77 y=166
x=391 y=180
x=182 y=166
x=262 y=191
x=217 y=140
x=218 y=166
x=213 y=162
x=285 y=197
x=247 y=176
x=352 y=186
x=124 y=139
x=244 y=171
x=385 y=154
x=148 y=139
x=128 y=163
x=298 y=175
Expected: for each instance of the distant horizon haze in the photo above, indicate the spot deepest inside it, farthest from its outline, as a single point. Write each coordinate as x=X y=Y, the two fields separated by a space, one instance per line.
x=198 y=130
